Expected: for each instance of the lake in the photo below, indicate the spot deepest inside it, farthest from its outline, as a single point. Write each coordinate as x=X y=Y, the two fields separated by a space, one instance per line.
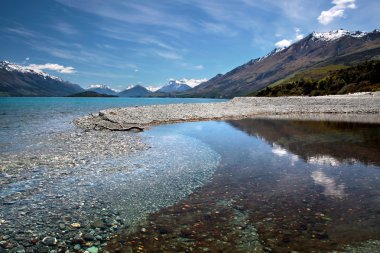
x=253 y=185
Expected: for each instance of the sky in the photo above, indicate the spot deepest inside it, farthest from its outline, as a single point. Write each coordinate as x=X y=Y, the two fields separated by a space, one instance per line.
x=148 y=42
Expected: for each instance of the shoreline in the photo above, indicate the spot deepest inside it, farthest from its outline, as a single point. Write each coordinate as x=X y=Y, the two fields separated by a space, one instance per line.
x=355 y=107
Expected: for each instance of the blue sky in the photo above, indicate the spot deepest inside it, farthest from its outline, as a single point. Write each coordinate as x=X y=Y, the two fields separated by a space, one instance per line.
x=121 y=43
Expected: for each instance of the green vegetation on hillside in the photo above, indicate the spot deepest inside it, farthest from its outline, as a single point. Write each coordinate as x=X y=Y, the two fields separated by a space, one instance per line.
x=330 y=80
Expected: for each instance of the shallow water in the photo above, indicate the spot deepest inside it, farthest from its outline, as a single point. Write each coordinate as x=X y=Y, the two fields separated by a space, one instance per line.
x=252 y=185
x=281 y=185
x=53 y=175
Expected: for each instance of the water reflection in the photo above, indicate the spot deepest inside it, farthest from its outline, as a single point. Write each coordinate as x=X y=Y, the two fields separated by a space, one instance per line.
x=323 y=160
x=317 y=142
x=331 y=188
x=296 y=185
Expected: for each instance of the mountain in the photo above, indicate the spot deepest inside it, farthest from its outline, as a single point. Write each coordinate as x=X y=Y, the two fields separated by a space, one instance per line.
x=92 y=94
x=314 y=51
x=102 y=89
x=16 y=80
x=135 y=91
x=174 y=86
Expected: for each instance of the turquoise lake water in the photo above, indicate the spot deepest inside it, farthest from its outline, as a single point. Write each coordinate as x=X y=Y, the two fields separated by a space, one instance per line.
x=22 y=117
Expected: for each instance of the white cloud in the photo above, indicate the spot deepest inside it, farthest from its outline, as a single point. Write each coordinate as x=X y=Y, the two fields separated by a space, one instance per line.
x=52 y=66
x=193 y=82
x=283 y=43
x=286 y=43
x=337 y=11
x=200 y=67
x=299 y=35
x=27 y=59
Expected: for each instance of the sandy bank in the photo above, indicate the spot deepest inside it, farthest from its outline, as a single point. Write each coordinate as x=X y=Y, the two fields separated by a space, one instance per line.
x=360 y=107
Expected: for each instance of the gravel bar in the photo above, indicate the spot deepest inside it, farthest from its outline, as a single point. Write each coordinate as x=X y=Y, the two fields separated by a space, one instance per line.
x=357 y=107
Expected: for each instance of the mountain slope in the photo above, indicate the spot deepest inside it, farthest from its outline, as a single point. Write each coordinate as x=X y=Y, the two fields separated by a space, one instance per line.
x=364 y=77
x=315 y=50
x=102 y=89
x=16 y=80
x=136 y=91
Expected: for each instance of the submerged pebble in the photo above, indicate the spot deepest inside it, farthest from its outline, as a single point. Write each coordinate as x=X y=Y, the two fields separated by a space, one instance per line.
x=72 y=190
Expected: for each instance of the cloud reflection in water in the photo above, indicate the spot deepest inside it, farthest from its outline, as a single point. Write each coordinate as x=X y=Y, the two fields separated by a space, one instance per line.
x=329 y=184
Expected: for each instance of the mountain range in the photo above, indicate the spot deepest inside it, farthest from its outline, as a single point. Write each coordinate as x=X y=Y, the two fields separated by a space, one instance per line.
x=16 y=80
x=102 y=89
x=314 y=51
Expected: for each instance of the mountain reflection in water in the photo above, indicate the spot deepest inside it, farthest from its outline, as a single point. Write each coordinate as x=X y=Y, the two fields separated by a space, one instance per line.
x=318 y=142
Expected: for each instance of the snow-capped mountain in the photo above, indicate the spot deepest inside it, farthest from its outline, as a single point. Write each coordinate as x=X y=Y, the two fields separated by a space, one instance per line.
x=17 y=80
x=102 y=89
x=26 y=70
x=152 y=88
x=174 y=86
x=318 y=49
x=180 y=85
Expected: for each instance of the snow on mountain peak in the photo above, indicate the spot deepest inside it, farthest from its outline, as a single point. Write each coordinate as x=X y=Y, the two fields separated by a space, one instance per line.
x=153 y=88
x=337 y=34
x=100 y=86
x=26 y=69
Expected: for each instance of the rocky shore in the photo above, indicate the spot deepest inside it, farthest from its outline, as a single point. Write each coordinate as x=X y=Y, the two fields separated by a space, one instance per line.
x=358 y=107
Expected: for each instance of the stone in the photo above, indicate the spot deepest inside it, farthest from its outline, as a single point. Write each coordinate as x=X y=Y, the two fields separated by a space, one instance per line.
x=49 y=241
x=75 y=225
x=98 y=224
x=88 y=237
x=18 y=249
x=92 y=249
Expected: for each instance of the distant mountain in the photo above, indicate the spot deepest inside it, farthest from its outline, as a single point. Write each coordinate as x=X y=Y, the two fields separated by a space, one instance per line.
x=174 y=86
x=16 y=80
x=91 y=94
x=102 y=89
x=135 y=91
x=314 y=51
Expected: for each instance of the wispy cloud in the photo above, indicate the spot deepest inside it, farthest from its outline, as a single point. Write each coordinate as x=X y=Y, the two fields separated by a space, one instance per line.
x=21 y=32
x=167 y=55
x=65 y=28
x=337 y=11
x=132 y=13
x=69 y=51
x=219 y=29
x=53 y=67
x=199 y=67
